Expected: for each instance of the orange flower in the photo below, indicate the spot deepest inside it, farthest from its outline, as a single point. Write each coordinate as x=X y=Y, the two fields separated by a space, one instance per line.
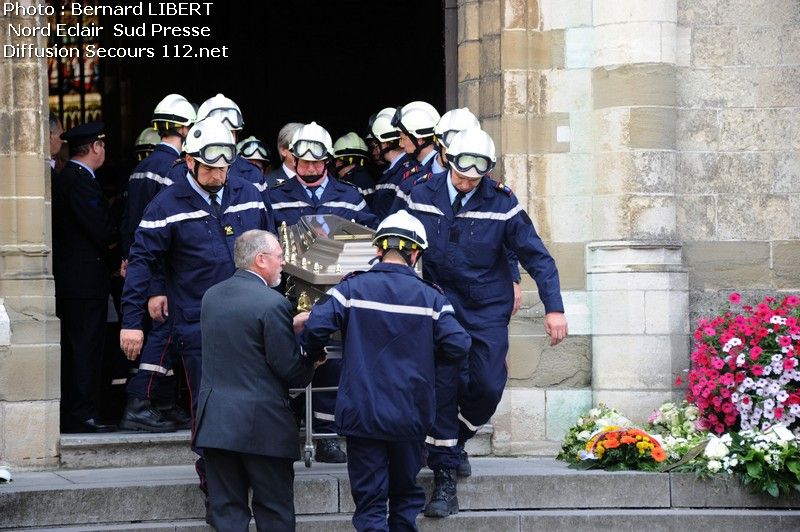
x=628 y=440
x=658 y=454
x=612 y=443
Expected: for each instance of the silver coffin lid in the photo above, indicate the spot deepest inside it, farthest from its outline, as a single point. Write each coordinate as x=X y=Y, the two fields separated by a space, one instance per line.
x=321 y=248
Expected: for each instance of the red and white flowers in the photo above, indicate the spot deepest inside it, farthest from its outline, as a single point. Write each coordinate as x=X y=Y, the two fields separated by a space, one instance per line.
x=745 y=367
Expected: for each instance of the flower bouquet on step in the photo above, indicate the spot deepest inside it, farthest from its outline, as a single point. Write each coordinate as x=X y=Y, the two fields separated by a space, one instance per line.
x=618 y=448
x=598 y=418
x=768 y=461
x=744 y=367
x=679 y=428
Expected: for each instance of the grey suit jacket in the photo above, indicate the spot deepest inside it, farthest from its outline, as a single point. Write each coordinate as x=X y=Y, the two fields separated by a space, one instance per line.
x=250 y=360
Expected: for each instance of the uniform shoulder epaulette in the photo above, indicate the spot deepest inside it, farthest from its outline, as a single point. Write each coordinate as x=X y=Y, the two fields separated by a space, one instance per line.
x=352 y=274
x=279 y=184
x=177 y=162
x=411 y=171
x=406 y=164
x=504 y=189
x=423 y=178
x=432 y=285
x=348 y=183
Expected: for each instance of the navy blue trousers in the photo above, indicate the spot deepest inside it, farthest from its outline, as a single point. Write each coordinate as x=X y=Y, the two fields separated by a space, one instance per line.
x=323 y=404
x=384 y=472
x=153 y=379
x=479 y=393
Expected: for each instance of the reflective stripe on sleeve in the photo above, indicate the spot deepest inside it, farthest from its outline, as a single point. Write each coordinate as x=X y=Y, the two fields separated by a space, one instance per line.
x=161 y=180
x=422 y=207
x=502 y=216
x=324 y=417
x=145 y=224
x=246 y=207
x=440 y=443
x=154 y=368
x=469 y=425
x=387 y=307
x=289 y=205
x=344 y=205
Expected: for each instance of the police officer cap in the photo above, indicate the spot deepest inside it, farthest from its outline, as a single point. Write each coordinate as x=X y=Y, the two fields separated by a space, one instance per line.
x=84 y=133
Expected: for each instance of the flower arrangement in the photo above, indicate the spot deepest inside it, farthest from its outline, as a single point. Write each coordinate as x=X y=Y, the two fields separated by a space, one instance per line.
x=595 y=419
x=616 y=448
x=745 y=367
x=678 y=427
x=769 y=461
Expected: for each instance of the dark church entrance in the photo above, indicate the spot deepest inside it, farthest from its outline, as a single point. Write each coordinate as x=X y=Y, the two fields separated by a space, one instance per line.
x=335 y=63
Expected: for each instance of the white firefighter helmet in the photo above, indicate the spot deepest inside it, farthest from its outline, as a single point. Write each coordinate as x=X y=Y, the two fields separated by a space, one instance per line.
x=382 y=127
x=253 y=149
x=471 y=153
x=211 y=142
x=172 y=112
x=452 y=122
x=146 y=141
x=311 y=143
x=350 y=145
x=401 y=231
x=223 y=108
x=416 y=119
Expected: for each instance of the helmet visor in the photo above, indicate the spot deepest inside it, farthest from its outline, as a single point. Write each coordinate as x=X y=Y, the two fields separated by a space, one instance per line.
x=231 y=117
x=213 y=153
x=254 y=150
x=471 y=163
x=309 y=150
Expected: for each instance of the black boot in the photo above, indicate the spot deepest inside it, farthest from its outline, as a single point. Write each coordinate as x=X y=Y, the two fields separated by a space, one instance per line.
x=176 y=415
x=140 y=415
x=328 y=451
x=464 y=467
x=444 y=500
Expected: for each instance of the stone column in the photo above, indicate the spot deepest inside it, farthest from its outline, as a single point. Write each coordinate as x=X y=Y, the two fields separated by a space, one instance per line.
x=637 y=284
x=29 y=331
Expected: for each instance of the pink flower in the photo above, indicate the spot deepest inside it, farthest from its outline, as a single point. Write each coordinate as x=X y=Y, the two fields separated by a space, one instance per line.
x=745 y=400
x=778 y=413
x=789 y=363
x=726 y=379
x=734 y=298
x=717 y=363
x=678 y=380
x=709 y=331
x=757 y=370
x=792 y=301
x=785 y=341
x=755 y=353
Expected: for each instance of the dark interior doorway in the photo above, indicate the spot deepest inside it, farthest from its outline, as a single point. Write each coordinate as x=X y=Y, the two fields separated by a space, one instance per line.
x=332 y=62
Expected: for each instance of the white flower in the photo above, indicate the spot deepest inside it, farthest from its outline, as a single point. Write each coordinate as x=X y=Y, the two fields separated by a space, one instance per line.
x=745 y=424
x=584 y=435
x=769 y=404
x=594 y=412
x=716 y=448
x=740 y=360
x=760 y=392
x=747 y=383
x=775 y=320
x=736 y=341
x=777 y=358
x=714 y=466
x=782 y=396
x=783 y=434
x=767 y=370
x=769 y=414
x=787 y=349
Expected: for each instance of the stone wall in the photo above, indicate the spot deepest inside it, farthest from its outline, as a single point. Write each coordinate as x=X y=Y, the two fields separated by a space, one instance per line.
x=738 y=66
x=29 y=332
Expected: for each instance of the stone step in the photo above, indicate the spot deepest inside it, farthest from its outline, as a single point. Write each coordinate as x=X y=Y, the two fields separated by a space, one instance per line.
x=524 y=520
x=499 y=490
x=139 y=449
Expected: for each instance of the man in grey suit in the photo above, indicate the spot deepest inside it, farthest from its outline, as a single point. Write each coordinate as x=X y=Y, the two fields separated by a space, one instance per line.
x=250 y=360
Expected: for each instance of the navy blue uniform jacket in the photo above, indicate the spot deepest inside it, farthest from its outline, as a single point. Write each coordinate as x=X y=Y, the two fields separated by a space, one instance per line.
x=466 y=254
x=290 y=201
x=394 y=328
x=82 y=232
x=180 y=236
x=148 y=178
